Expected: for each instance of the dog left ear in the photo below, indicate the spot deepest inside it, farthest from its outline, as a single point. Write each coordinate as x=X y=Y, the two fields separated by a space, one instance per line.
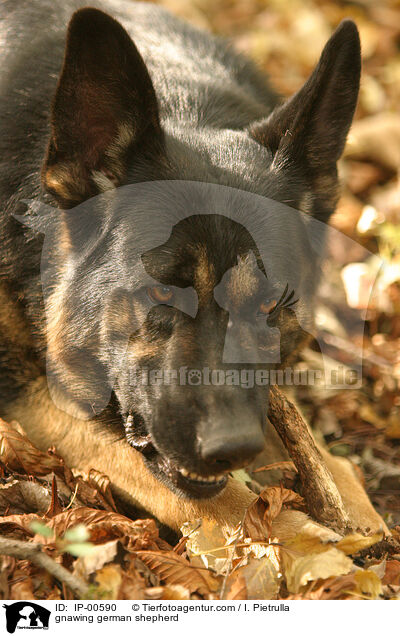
x=310 y=128
x=104 y=108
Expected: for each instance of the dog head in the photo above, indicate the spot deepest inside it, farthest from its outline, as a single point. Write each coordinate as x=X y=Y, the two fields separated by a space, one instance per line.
x=225 y=285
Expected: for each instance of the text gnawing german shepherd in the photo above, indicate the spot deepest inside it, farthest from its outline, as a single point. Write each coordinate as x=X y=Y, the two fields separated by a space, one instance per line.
x=163 y=222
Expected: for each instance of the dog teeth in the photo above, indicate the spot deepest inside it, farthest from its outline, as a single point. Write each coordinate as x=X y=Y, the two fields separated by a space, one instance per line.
x=196 y=477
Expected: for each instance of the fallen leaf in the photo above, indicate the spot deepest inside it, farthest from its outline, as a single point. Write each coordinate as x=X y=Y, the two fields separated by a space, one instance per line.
x=260 y=515
x=104 y=526
x=100 y=555
x=18 y=526
x=19 y=454
x=99 y=483
x=353 y=543
x=368 y=583
x=109 y=580
x=20 y=496
x=261 y=578
x=133 y=585
x=305 y=558
x=237 y=589
x=22 y=590
x=175 y=570
x=206 y=545
x=392 y=574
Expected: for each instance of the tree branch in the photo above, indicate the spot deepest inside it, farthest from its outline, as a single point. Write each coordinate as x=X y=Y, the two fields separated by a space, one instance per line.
x=33 y=552
x=319 y=490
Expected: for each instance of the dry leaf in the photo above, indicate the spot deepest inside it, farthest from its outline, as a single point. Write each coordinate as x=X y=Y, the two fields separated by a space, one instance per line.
x=175 y=570
x=305 y=558
x=392 y=573
x=20 y=455
x=23 y=496
x=96 y=559
x=109 y=580
x=353 y=543
x=261 y=578
x=260 y=515
x=236 y=586
x=23 y=589
x=368 y=583
x=206 y=545
x=18 y=526
x=105 y=526
x=132 y=586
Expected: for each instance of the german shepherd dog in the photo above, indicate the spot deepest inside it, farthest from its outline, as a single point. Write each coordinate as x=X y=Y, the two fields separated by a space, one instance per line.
x=91 y=104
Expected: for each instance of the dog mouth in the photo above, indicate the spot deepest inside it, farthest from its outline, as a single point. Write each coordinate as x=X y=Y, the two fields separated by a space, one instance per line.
x=178 y=479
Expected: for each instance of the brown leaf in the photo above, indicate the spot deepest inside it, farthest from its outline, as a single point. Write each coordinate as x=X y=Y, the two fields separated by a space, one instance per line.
x=175 y=570
x=133 y=585
x=22 y=589
x=109 y=580
x=105 y=526
x=206 y=545
x=20 y=496
x=305 y=558
x=392 y=574
x=18 y=526
x=20 y=455
x=236 y=586
x=260 y=515
x=353 y=543
x=368 y=584
x=261 y=579
x=99 y=556
x=102 y=484
x=54 y=507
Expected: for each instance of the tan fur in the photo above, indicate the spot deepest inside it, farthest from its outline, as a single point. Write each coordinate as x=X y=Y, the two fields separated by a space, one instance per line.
x=68 y=182
x=82 y=446
x=243 y=283
x=13 y=327
x=121 y=143
x=102 y=181
x=204 y=277
x=65 y=180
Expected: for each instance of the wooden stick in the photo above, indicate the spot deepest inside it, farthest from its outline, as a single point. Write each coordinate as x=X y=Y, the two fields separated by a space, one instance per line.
x=33 y=552
x=319 y=490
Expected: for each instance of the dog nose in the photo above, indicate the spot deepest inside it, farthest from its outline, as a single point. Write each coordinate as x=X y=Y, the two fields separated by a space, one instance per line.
x=233 y=449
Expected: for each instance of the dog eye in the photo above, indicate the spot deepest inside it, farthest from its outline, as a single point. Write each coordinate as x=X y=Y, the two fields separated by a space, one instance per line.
x=267 y=307
x=160 y=295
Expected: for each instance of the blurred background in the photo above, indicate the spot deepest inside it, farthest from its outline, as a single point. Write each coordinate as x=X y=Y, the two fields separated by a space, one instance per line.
x=285 y=38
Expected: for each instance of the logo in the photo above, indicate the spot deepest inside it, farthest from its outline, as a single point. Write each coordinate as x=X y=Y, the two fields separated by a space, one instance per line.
x=26 y=615
x=103 y=284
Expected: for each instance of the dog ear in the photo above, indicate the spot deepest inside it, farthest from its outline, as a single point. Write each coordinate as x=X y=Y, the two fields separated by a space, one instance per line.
x=104 y=107
x=311 y=127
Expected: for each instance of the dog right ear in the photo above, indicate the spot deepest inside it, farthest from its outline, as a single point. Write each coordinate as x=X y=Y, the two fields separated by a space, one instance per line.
x=308 y=132
x=104 y=107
